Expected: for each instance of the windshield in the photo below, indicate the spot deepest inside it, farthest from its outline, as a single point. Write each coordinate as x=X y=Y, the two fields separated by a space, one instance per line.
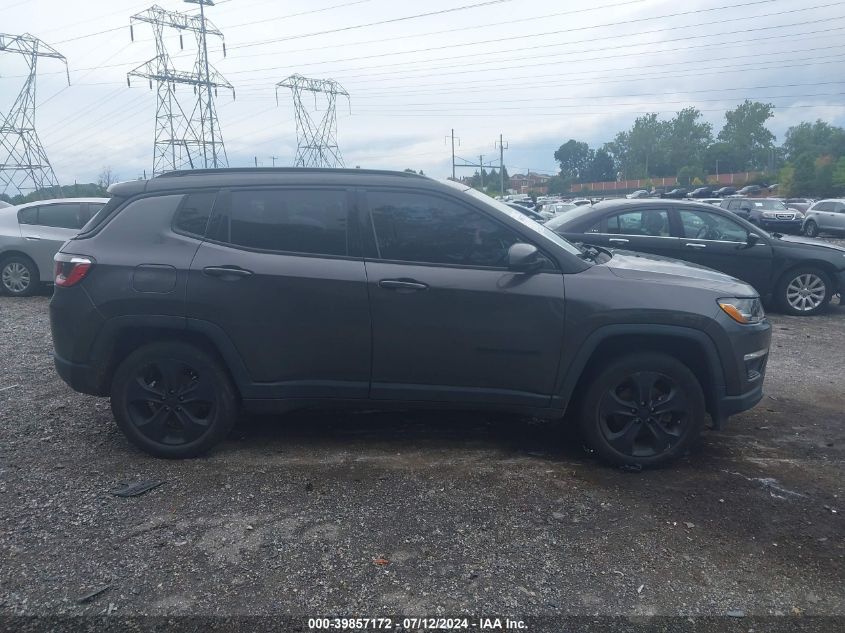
x=769 y=205
x=527 y=222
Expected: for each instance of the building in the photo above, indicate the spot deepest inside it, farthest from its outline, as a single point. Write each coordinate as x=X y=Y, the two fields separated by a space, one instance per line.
x=530 y=182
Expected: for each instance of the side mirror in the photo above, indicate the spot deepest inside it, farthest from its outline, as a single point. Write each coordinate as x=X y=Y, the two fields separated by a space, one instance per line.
x=524 y=258
x=752 y=240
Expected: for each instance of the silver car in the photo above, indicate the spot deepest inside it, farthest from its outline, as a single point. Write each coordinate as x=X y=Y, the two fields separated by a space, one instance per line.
x=825 y=216
x=31 y=234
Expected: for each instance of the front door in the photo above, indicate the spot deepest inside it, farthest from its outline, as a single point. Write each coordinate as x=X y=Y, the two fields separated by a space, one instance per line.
x=718 y=242
x=450 y=321
x=280 y=277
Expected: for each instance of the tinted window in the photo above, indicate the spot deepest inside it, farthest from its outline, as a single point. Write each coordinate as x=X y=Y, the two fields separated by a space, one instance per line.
x=823 y=206
x=839 y=207
x=641 y=222
x=416 y=227
x=194 y=213
x=290 y=220
x=704 y=225
x=100 y=213
x=63 y=216
x=28 y=215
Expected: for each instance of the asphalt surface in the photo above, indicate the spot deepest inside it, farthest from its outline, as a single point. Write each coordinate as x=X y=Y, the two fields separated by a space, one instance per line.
x=434 y=514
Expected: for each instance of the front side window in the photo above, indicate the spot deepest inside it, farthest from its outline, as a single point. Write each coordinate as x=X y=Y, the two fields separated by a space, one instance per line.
x=415 y=227
x=63 y=216
x=647 y=222
x=702 y=225
x=312 y=221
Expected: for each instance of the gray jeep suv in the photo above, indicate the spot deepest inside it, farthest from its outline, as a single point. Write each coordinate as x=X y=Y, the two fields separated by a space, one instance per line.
x=195 y=294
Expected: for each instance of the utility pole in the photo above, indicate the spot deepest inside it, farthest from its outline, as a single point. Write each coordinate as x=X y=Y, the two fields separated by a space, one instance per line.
x=274 y=159
x=316 y=141
x=502 y=147
x=453 y=151
x=481 y=169
x=23 y=161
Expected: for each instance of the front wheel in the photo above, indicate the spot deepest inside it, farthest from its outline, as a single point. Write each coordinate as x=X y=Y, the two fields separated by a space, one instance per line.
x=643 y=410
x=804 y=291
x=811 y=229
x=173 y=400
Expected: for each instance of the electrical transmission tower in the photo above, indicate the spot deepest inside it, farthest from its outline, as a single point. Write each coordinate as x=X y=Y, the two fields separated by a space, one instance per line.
x=24 y=163
x=187 y=133
x=316 y=141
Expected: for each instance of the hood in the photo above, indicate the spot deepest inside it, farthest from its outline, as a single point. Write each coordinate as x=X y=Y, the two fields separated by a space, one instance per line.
x=646 y=267
x=798 y=241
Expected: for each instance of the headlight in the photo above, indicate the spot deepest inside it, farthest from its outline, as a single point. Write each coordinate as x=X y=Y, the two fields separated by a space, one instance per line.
x=798 y=215
x=743 y=311
x=769 y=214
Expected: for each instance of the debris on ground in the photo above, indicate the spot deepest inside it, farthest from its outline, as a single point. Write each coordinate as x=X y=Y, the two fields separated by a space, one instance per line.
x=136 y=489
x=88 y=597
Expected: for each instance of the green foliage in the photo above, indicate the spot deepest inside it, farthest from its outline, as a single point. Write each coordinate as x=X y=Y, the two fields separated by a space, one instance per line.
x=601 y=167
x=838 y=179
x=786 y=181
x=804 y=175
x=560 y=184
x=816 y=139
x=687 y=175
x=574 y=159
x=746 y=133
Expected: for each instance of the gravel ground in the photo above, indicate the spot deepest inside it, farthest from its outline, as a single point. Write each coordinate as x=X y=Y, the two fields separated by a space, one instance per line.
x=468 y=514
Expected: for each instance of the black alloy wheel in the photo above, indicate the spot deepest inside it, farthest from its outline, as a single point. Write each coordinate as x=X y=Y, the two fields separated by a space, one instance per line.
x=644 y=409
x=173 y=400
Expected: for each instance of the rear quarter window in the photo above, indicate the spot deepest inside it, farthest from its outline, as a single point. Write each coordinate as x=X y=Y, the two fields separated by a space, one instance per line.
x=99 y=217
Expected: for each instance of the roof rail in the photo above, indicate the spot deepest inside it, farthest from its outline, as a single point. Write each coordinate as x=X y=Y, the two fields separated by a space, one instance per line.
x=283 y=170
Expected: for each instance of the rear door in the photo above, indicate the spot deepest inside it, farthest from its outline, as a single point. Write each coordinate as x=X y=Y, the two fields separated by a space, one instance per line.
x=823 y=214
x=450 y=321
x=715 y=240
x=46 y=227
x=281 y=276
x=837 y=218
x=644 y=229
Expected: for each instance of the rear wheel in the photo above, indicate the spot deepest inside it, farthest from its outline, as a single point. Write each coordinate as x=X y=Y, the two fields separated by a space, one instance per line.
x=644 y=409
x=804 y=291
x=811 y=229
x=18 y=276
x=173 y=400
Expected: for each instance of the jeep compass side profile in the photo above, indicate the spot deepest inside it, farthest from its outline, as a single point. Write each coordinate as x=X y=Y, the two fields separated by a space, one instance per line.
x=196 y=294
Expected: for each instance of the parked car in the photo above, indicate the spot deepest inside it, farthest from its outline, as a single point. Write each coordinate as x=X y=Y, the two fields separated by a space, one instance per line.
x=580 y=202
x=559 y=207
x=715 y=201
x=30 y=234
x=769 y=213
x=796 y=274
x=537 y=216
x=194 y=294
x=636 y=195
x=701 y=192
x=676 y=193
x=4 y=205
x=825 y=216
x=723 y=192
x=750 y=190
x=799 y=204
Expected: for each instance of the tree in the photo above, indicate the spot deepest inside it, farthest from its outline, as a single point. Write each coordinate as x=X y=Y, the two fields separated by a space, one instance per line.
x=687 y=139
x=817 y=139
x=839 y=175
x=574 y=159
x=786 y=181
x=687 y=175
x=804 y=175
x=107 y=177
x=601 y=168
x=823 y=182
x=746 y=134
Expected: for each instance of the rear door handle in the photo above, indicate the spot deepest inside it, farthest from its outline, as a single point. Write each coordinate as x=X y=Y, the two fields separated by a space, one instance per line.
x=232 y=272
x=694 y=245
x=618 y=240
x=29 y=238
x=402 y=284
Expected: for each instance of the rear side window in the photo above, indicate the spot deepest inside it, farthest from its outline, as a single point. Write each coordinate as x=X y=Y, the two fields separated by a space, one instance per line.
x=823 y=206
x=194 y=213
x=312 y=221
x=63 y=216
x=650 y=222
x=414 y=227
x=28 y=215
x=101 y=214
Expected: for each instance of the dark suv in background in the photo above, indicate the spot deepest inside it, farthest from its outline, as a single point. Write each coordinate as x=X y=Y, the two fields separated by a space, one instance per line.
x=197 y=293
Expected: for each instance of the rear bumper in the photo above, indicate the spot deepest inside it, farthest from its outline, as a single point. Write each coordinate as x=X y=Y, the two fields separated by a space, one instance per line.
x=79 y=377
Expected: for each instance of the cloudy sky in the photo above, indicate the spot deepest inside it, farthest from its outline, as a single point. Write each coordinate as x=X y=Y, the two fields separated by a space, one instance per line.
x=537 y=71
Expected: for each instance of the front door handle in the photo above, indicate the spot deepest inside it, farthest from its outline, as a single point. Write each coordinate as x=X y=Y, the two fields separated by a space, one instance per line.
x=232 y=272
x=694 y=245
x=402 y=284
x=29 y=238
x=618 y=240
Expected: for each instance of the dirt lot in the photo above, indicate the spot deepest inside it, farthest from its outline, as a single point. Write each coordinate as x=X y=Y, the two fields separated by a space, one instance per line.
x=475 y=515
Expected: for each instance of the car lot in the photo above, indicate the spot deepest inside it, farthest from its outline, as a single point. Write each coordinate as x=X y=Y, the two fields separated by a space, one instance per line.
x=475 y=514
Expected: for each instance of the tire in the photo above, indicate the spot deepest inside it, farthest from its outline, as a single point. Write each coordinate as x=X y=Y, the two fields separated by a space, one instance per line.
x=173 y=400
x=19 y=276
x=804 y=283
x=625 y=432
x=811 y=229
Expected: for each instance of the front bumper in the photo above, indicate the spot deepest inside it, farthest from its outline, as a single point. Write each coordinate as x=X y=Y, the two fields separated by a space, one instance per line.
x=780 y=225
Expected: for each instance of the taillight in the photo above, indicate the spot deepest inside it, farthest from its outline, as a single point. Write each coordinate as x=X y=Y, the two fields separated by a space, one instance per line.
x=71 y=269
